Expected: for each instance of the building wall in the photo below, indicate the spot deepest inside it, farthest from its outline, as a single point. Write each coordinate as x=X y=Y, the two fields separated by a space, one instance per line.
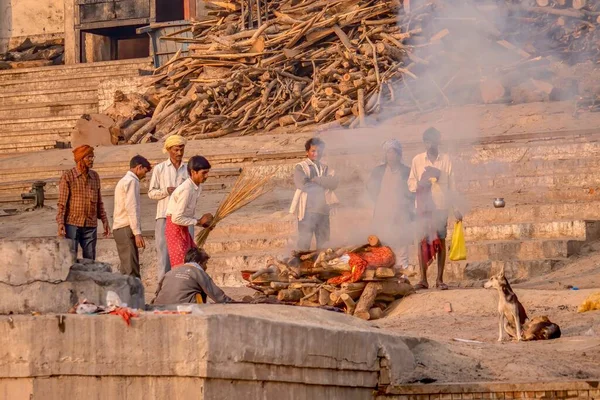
x=36 y=19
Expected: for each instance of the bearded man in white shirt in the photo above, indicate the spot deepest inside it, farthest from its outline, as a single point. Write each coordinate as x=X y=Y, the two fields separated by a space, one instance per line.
x=181 y=211
x=165 y=178
x=127 y=228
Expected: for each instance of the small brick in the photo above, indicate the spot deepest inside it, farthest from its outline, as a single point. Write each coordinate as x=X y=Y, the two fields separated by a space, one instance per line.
x=486 y=395
x=529 y=395
x=498 y=395
x=467 y=396
x=584 y=393
x=550 y=394
x=457 y=396
x=519 y=395
x=509 y=395
x=445 y=396
x=540 y=395
x=477 y=396
x=594 y=393
x=572 y=394
x=434 y=397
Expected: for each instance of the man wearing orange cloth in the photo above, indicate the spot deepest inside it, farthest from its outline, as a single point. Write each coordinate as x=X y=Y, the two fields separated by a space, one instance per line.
x=80 y=203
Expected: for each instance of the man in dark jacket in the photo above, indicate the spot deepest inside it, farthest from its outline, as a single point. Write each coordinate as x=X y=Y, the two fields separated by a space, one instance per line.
x=394 y=203
x=189 y=283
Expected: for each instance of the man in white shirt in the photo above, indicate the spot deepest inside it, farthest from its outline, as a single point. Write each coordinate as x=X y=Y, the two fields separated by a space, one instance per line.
x=432 y=179
x=181 y=211
x=127 y=228
x=165 y=178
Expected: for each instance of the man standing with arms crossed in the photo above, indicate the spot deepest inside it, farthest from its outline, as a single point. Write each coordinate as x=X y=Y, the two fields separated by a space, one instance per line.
x=127 y=228
x=432 y=179
x=80 y=203
x=165 y=178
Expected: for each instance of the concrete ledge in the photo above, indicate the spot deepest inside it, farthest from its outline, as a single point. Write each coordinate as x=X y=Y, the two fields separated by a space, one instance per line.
x=268 y=343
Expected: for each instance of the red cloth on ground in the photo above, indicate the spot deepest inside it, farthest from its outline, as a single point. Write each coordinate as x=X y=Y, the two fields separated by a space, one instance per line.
x=179 y=241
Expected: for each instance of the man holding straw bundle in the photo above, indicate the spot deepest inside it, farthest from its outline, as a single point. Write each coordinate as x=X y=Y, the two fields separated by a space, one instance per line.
x=181 y=211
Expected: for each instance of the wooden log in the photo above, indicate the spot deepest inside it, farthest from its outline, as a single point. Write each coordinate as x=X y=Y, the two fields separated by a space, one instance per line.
x=178 y=105
x=323 y=297
x=133 y=127
x=542 y=3
x=365 y=303
x=384 y=298
x=329 y=109
x=361 y=107
x=375 y=313
x=349 y=302
x=290 y=295
x=382 y=272
x=396 y=289
x=579 y=4
x=279 y=285
x=353 y=285
x=491 y=90
x=335 y=296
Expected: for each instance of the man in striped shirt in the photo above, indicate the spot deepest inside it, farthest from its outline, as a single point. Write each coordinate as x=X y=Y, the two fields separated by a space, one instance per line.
x=127 y=229
x=80 y=203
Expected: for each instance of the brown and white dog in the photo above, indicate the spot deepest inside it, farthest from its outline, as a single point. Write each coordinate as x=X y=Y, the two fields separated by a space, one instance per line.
x=512 y=317
x=511 y=313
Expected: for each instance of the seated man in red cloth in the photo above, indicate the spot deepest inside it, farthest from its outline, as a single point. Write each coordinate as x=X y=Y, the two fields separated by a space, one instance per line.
x=181 y=211
x=432 y=179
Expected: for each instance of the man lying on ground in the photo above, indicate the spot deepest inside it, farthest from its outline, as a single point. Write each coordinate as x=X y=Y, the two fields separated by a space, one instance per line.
x=189 y=283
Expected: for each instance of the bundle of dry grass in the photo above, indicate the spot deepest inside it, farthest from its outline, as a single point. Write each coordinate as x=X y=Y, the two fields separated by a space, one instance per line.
x=246 y=189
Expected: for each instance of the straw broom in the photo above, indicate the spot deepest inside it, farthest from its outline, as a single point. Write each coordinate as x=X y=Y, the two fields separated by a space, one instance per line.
x=246 y=189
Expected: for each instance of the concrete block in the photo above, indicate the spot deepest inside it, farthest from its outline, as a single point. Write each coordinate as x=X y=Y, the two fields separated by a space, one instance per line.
x=90 y=281
x=35 y=260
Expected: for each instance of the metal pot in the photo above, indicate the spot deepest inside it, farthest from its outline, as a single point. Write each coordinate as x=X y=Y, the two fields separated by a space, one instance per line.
x=499 y=202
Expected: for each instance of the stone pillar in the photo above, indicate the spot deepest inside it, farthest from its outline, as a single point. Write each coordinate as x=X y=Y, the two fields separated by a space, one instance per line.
x=72 y=37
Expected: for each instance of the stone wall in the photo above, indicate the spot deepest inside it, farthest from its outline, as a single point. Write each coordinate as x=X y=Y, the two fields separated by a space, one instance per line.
x=36 y=19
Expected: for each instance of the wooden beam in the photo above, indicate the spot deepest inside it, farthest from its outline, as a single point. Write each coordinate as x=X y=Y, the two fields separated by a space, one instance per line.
x=189 y=9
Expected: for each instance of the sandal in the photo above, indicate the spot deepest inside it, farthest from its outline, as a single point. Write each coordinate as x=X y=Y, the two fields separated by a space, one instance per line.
x=421 y=286
x=441 y=286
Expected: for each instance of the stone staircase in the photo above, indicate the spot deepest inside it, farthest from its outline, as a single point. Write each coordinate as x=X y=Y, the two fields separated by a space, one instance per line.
x=39 y=106
x=552 y=190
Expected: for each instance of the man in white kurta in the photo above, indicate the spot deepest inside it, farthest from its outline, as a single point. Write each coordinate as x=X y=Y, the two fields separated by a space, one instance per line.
x=127 y=227
x=181 y=211
x=166 y=176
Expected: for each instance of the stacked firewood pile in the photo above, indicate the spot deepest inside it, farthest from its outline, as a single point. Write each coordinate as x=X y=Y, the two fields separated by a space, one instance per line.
x=359 y=280
x=29 y=54
x=293 y=64
x=256 y=66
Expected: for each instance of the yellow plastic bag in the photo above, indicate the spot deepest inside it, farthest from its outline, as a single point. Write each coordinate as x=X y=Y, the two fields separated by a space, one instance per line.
x=458 y=248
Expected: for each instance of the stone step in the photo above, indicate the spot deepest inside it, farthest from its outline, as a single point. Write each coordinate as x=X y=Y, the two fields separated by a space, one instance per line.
x=32 y=124
x=17 y=147
x=70 y=81
x=550 y=181
x=11 y=191
x=32 y=137
x=483 y=270
x=534 y=195
x=53 y=109
x=575 y=230
x=526 y=168
x=47 y=96
x=523 y=250
x=55 y=72
x=534 y=212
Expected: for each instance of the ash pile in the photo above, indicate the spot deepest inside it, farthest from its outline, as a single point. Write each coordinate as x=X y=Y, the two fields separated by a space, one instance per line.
x=359 y=280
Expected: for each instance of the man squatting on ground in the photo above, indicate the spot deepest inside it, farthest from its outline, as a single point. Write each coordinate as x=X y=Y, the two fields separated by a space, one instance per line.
x=189 y=283
x=432 y=179
x=127 y=227
x=394 y=203
x=80 y=203
x=181 y=211
x=314 y=195
x=166 y=176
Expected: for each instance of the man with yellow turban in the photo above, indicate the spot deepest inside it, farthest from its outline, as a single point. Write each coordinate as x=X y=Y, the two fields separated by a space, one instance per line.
x=166 y=176
x=80 y=203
